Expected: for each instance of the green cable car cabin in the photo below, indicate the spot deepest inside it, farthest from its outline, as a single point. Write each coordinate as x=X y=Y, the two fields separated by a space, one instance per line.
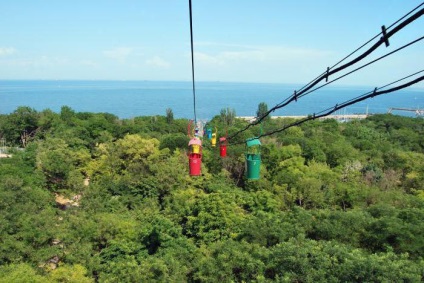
x=253 y=158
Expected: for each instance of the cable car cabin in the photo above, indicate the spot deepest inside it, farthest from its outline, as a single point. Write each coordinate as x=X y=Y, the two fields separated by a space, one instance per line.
x=195 y=156
x=253 y=158
x=213 y=141
x=209 y=132
x=223 y=147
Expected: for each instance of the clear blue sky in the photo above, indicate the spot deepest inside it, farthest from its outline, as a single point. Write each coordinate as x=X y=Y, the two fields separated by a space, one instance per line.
x=243 y=41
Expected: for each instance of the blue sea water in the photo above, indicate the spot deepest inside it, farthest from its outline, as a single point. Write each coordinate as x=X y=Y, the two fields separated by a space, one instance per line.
x=128 y=99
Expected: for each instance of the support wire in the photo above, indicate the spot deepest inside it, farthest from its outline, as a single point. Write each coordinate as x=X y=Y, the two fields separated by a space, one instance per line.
x=192 y=62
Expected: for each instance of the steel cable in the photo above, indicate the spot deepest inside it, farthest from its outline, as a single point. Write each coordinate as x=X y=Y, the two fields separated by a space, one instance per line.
x=367 y=95
x=325 y=75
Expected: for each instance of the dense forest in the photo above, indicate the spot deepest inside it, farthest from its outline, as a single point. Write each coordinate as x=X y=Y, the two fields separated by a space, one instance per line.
x=89 y=197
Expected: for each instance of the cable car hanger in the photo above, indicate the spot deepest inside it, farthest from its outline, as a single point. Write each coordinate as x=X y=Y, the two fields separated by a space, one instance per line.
x=195 y=144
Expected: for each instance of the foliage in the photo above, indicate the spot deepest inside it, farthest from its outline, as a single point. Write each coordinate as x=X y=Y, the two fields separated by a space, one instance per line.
x=336 y=202
x=262 y=110
x=227 y=116
x=20 y=126
x=169 y=115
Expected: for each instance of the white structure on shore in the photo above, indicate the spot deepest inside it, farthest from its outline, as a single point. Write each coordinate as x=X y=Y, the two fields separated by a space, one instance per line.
x=338 y=117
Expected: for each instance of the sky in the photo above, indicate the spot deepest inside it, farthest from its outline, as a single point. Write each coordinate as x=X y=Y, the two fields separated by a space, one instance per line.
x=272 y=41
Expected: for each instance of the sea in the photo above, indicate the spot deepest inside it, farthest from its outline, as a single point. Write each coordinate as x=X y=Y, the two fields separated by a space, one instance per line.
x=128 y=99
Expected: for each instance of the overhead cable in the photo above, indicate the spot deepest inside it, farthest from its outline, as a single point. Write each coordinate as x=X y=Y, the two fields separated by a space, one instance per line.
x=382 y=40
x=328 y=111
x=361 y=67
x=363 y=45
x=192 y=62
x=304 y=90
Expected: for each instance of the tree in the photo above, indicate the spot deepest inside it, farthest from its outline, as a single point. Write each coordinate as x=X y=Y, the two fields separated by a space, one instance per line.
x=48 y=121
x=21 y=272
x=215 y=217
x=262 y=110
x=231 y=261
x=227 y=116
x=67 y=115
x=72 y=274
x=57 y=160
x=174 y=141
x=21 y=126
x=169 y=115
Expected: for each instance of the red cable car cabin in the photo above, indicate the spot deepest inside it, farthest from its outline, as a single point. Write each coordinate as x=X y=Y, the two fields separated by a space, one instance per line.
x=195 y=156
x=223 y=146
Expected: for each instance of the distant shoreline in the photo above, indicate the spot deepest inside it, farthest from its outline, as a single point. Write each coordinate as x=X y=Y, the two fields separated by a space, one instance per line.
x=127 y=99
x=336 y=117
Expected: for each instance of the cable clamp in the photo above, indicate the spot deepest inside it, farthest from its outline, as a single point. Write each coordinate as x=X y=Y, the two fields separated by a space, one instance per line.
x=374 y=92
x=295 y=96
x=326 y=75
x=384 y=37
x=335 y=107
